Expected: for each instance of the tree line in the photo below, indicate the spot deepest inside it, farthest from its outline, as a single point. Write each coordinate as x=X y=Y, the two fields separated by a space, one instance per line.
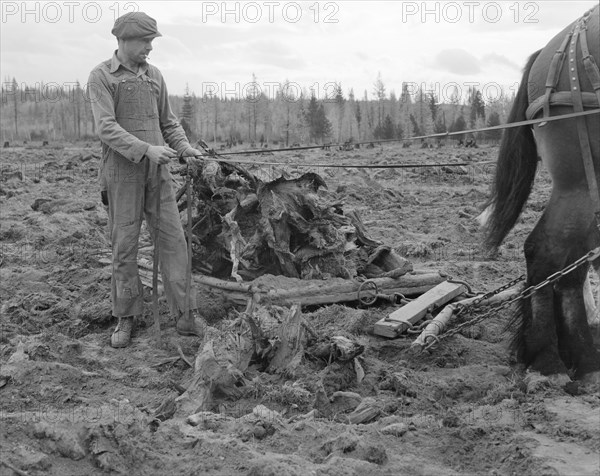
x=288 y=116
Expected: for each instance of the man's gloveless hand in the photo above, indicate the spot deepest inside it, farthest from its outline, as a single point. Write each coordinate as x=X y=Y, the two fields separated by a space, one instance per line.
x=160 y=154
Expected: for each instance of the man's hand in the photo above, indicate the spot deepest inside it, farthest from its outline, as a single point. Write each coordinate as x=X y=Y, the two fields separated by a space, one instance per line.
x=160 y=154
x=191 y=152
x=195 y=156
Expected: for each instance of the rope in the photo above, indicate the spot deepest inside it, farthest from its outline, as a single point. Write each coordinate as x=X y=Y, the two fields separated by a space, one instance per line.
x=430 y=136
x=348 y=166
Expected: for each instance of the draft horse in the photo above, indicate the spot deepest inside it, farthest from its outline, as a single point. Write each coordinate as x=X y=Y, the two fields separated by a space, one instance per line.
x=554 y=337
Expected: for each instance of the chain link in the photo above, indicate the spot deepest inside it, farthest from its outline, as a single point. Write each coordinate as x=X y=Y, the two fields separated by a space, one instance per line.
x=526 y=293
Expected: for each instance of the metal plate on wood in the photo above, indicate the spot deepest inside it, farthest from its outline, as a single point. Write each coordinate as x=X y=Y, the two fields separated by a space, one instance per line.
x=408 y=315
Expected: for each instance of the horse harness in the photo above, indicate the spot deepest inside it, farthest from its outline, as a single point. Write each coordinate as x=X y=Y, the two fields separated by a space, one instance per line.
x=575 y=97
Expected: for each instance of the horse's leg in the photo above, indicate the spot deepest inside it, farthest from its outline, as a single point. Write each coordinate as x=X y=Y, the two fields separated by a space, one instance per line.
x=575 y=339
x=593 y=320
x=556 y=336
x=539 y=335
x=575 y=235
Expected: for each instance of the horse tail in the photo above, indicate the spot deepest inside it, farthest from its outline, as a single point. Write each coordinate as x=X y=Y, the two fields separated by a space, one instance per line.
x=515 y=169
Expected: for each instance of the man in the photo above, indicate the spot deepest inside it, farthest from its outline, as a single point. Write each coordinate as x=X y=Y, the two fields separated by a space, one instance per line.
x=134 y=120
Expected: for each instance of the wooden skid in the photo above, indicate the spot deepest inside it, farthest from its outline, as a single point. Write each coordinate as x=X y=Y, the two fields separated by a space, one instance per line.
x=408 y=315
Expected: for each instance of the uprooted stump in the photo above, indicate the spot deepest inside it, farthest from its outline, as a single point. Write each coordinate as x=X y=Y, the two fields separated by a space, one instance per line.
x=245 y=228
x=262 y=339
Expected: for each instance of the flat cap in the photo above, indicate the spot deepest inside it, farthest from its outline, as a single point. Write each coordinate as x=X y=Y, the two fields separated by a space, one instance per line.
x=135 y=25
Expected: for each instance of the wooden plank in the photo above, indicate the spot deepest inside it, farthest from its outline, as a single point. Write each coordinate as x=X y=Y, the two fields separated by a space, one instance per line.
x=408 y=315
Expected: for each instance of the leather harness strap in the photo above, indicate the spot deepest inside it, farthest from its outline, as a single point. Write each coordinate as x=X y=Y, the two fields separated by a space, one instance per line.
x=574 y=97
x=561 y=98
x=591 y=68
x=556 y=66
x=584 y=138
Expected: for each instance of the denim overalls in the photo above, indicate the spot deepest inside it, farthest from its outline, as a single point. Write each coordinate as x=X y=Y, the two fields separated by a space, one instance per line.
x=132 y=193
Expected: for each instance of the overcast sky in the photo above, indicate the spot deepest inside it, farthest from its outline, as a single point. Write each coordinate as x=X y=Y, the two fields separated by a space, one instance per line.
x=218 y=46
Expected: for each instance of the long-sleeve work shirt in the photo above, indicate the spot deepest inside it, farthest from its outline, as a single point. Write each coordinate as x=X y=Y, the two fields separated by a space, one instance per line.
x=103 y=88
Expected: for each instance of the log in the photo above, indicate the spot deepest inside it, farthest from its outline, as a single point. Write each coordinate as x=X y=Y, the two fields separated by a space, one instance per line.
x=284 y=291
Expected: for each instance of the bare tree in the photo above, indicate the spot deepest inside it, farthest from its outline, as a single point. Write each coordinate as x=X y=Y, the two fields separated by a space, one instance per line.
x=379 y=93
x=15 y=93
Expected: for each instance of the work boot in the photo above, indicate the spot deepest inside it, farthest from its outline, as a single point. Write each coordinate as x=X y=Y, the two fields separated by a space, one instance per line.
x=121 y=337
x=194 y=325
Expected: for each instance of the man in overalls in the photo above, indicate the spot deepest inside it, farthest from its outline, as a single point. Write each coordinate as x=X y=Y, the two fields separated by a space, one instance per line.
x=134 y=121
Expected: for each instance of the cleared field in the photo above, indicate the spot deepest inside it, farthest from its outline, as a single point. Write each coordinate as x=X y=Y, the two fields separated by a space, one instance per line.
x=70 y=404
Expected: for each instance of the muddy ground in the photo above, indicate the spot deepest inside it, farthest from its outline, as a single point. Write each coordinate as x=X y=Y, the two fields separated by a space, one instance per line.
x=72 y=405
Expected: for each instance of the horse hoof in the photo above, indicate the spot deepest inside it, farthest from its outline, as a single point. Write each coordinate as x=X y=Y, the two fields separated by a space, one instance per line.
x=535 y=381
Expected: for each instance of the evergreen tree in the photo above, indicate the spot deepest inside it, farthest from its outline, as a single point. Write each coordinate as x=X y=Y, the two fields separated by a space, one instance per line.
x=340 y=103
x=440 y=124
x=422 y=113
x=433 y=106
x=405 y=112
x=319 y=126
x=458 y=125
x=311 y=117
x=494 y=120
x=477 y=106
x=323 y=125
x=454 y=104
x=387 y=130
x=415 y=126
x=352 y=109
x=358 y=116
x=15 y=94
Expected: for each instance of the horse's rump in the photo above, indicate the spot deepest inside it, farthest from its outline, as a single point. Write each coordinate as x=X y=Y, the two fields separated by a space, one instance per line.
x=549 y=62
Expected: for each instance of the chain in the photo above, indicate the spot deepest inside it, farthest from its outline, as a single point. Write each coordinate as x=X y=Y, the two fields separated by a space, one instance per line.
x=526 y=293
x=466 y=308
